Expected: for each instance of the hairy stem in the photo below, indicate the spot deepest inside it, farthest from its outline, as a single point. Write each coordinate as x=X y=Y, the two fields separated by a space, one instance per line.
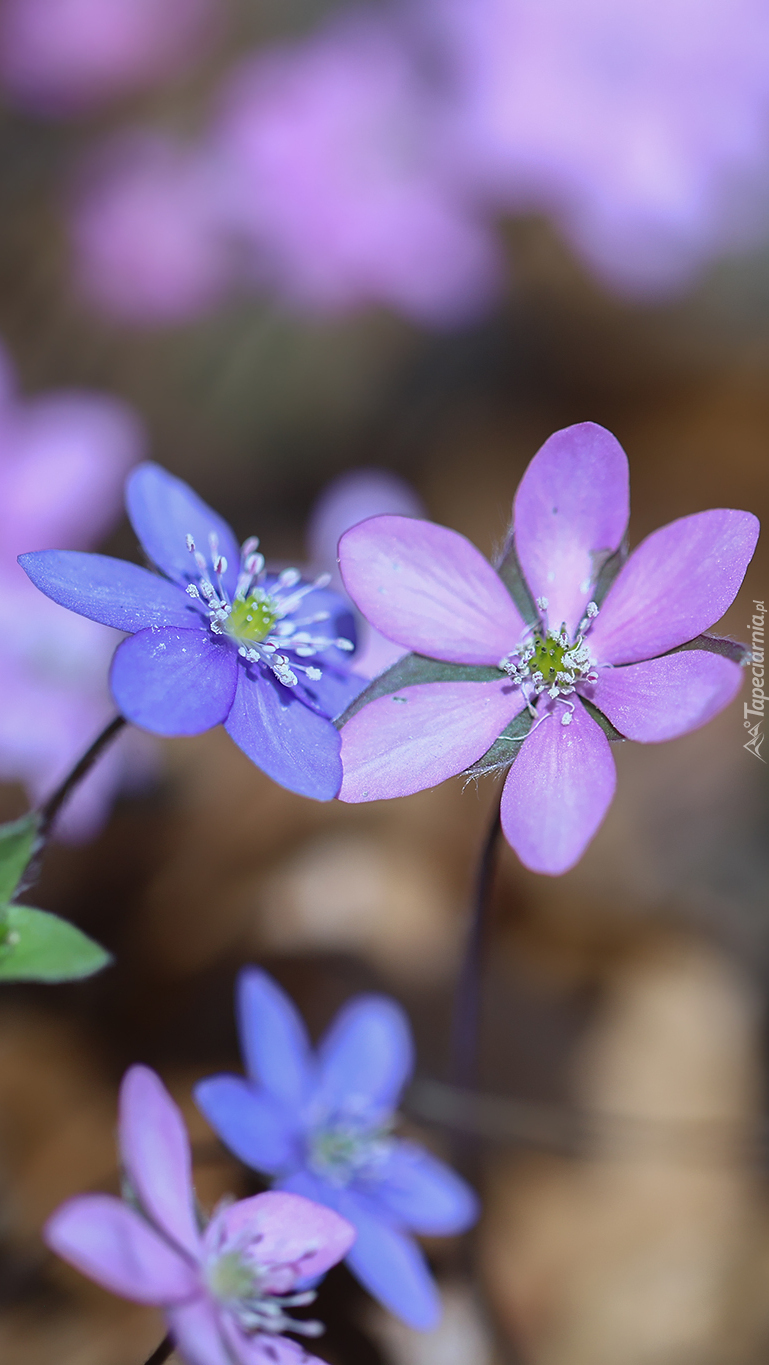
x=467 y=1001
x=161 y=1352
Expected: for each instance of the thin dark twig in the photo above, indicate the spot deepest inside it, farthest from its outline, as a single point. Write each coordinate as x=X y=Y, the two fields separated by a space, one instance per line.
x=161 y=1352
x=467 y=1006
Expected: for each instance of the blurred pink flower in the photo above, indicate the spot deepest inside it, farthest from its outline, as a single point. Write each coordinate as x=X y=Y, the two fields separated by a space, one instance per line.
x=643 y=126
x=63 y=459
x=145 y=232
x=328 y=153
x=61 y=57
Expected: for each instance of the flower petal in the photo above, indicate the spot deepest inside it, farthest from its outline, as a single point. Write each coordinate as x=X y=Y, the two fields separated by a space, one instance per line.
x=570 y=513
x=156 y=1154
x=273 y=1038
x=350 y=499
x=390 y=1265
x=283 y=737
x=424 y=1194
x=111 y=1243
x=174 y=682
x=285 y=1230
x=195 y=1328
x=558 y=791
x=254 y=1126
x=666 y=697
x=427 y=588
x=365 y=1058
x=164 y=511
x=677 y=583
x=111 y=591
x=264 y=1348
x=421 y=735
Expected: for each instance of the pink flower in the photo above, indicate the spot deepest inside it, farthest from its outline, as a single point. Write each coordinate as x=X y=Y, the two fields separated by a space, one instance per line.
x=225 y=1290
x=334 y=183
x=540 y=679
x=60 y=57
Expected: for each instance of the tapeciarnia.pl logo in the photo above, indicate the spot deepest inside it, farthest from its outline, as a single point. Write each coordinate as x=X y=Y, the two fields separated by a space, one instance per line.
x=757 y=703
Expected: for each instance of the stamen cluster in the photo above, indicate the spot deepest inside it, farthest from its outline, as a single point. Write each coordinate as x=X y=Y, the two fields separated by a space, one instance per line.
x=341 y=1151
x=550 y=662
x=237 y=1281
x=260 y=618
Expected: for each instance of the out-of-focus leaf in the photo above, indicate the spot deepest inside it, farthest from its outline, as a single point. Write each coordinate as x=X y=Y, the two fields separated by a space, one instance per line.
x=38 y=946
x=413 y=669
x=18 y=841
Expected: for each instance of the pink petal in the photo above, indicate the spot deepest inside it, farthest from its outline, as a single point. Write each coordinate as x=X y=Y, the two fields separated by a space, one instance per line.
x=156 y=1154
x=663 y=698
x=677 y=583
x=571 y=511
x=296 y=1238
x=111 y=1243
x=427 y=588
x=418 y=737
x=262 y=1349
x=197 y=1332
x=558 y=791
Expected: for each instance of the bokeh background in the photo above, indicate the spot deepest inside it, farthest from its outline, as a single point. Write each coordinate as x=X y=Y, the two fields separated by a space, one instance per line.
x=288 y=264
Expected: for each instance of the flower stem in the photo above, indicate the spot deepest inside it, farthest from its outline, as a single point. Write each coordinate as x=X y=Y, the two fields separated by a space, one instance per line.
x=465 y=1033
x=53 y=805
x=161 y=1352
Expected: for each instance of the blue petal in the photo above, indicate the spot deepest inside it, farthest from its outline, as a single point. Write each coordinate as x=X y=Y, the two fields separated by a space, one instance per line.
x=390 y=1265
x=111 y=591
x=276 y=1048
x=334 y=692
x=283 y=737
x=164 y=511
x=254 y=1126
x=174 y=682
x=366 y=1058
x=424 y=1194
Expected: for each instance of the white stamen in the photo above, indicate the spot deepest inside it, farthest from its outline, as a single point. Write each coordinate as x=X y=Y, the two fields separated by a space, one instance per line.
x=543 y=603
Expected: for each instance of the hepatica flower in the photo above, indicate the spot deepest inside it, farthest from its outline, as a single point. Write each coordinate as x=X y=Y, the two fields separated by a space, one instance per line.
x=321 y=1126
x=214 y=637
x=538 y=662
x=227 y=1289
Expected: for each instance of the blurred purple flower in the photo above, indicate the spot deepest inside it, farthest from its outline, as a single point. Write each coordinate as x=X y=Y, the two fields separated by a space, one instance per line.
x=216 y=640
x=430 y=590
x=225 y=1289
x=642 y=126
x=353 y=497
x=328 y=146
x=145 y=230
x=321 y=1126
x=63 y=57
x=63 y=460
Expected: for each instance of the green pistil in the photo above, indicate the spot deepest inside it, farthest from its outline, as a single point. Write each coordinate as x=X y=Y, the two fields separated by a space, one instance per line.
x=548 y=658
x=251 y=621
x=230 y=1278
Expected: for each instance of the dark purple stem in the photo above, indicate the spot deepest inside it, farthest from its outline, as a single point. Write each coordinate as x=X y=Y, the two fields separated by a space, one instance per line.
x=466 y=1024
x=162 y=1352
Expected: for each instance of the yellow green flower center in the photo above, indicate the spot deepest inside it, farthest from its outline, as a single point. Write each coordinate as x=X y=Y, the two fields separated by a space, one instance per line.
x=251 y=619
x=548 y=657
x=230 y=1278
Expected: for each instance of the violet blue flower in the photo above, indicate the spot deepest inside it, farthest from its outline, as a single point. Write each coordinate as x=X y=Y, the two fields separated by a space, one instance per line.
x=63 y=460
x=320 y=1125
x=214 y=638
x=61 y=57
x=334 y=184
x=540 y=679
x=641 y=126
x=353 y=497
x=225 y=1289
x=145 y=232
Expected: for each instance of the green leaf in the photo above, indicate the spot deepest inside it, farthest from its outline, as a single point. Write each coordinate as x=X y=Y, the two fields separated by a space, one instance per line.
x=505 y=749
x=609 y=730
x=511 y=573
x=18 y=842
x=38 y=946
x=715 y=644
x=413 y=669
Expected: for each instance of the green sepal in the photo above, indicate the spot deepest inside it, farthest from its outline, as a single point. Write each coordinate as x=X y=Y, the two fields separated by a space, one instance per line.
x=605 y=568
x=505 y=748
x=511 y=573
x=18 y=842
x=414 y=669
x=38 y=946
x=609 y=730
x=715 y=644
